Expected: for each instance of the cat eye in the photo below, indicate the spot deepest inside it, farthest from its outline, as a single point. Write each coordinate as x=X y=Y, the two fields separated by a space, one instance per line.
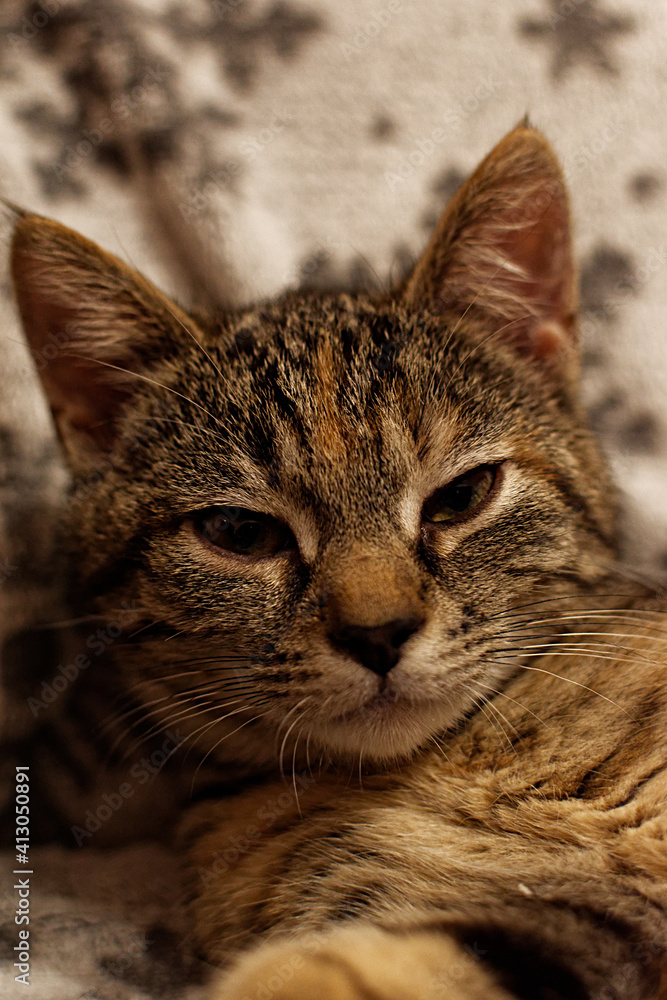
x=243 y=532
x=459 y=498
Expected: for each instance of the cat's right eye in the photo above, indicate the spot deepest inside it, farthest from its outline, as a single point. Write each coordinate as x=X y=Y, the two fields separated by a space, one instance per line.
x=456 y=501
x=243 y=532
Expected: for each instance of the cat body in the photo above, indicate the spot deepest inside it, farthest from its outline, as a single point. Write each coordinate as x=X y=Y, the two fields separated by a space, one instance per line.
x=528 y=848
x=371 y=548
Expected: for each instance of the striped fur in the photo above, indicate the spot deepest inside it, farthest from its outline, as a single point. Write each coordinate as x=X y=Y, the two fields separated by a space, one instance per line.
x=484 y=819
x=532 y=840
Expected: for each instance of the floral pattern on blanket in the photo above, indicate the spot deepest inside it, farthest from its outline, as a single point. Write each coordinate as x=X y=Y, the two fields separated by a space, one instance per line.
x=231 y=148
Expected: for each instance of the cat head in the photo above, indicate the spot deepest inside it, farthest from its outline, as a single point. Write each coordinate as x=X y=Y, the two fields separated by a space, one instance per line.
x=329 y=508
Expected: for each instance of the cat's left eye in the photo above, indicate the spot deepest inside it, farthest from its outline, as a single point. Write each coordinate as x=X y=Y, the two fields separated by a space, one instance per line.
x=243 y=532
x=458 y=499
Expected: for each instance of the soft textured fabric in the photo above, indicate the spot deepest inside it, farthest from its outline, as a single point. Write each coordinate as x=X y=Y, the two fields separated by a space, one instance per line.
x=230 y=148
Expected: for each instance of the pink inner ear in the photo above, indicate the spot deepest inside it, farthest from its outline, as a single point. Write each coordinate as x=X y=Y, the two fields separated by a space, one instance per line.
x=540 y=249
x=84 y=397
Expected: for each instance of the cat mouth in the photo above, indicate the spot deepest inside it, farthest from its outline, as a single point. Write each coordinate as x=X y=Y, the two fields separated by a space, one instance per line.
x=385 y=699
x=387 y=706
x=384 y=728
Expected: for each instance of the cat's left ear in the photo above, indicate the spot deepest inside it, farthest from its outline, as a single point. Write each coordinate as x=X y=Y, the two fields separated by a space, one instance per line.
x=94 y=327
x=502 y=254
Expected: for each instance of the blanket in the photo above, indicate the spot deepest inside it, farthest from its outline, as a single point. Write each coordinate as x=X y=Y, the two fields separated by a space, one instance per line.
x=232 y=148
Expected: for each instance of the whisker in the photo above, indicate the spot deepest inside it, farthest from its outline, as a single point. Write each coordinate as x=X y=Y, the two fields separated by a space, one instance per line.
x=569 y=680
x=310 y=770
x=296 y=794
x=485 y=340
x=199 y=345
x=294 y=709
x=518 y=608
x=490 y=704
x=158 y=726
x=434 y=739
x=69 y=622
x=211 y=683
x=483 y=705
x=163 y=721
x=524 y=708
x=617 y=619
x=233 y=733
x=561 y=639
x=145 y=378
x=182 y=696
x=194 y=702
x=204 y=433
x=634 y=575
x=380 y=283
x=566 y=650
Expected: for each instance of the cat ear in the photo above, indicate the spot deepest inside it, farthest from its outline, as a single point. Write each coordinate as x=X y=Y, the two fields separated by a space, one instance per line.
x=92 y=325
x=502 y=253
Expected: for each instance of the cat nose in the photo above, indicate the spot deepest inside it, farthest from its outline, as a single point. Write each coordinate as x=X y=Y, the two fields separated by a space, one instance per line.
x=376 y=647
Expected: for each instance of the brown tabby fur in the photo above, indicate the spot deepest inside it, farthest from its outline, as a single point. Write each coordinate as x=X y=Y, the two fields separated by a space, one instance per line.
x=486 y=821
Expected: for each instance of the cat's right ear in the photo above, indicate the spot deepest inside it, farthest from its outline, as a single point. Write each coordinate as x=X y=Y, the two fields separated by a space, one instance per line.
x=93 y=326
x=502 y=255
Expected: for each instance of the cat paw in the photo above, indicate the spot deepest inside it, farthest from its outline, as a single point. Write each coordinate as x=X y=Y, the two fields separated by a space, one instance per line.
x=357 y=963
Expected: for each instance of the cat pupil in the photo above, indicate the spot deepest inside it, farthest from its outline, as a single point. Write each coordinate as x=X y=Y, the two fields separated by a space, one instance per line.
x=247 y=534
x=459 y=497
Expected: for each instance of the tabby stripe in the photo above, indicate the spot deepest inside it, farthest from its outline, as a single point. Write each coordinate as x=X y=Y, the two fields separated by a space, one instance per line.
x=578 y=502
x=632 y=795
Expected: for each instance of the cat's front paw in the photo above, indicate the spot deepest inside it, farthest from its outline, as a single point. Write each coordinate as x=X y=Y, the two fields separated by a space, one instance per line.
x=357 y=963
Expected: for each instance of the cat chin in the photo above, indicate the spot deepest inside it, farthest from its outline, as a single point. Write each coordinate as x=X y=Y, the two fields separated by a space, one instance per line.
x=384 y=733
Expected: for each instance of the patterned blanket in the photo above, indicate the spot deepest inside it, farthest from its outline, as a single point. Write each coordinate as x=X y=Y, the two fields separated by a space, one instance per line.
x=230 y=148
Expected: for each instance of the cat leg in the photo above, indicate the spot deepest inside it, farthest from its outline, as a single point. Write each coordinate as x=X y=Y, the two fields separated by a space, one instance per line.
x=359 y=962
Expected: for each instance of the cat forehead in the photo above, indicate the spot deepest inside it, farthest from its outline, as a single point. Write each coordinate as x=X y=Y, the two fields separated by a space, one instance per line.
x=337 y=344
x=303 y=323
x=360 y=358
x=303 y=386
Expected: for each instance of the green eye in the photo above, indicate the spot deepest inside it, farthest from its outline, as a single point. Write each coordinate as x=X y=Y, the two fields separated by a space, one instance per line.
x=456 y=500
x=244 y=532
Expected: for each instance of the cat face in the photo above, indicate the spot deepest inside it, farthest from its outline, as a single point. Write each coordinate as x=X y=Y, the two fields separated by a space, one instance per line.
x=326 y=508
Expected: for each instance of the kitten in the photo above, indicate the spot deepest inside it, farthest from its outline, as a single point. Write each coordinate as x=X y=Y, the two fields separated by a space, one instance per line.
x=376 y=536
